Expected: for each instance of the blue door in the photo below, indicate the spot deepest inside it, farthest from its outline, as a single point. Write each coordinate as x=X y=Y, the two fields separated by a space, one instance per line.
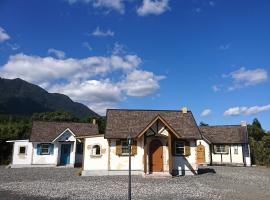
x=65 y=154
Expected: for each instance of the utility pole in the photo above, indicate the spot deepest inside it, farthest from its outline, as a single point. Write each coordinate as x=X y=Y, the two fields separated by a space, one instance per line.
x=129 y=167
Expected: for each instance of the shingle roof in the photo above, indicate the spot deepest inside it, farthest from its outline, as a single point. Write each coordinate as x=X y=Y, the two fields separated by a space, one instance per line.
x=231 y=134
x=48 y=131
x=121 y=122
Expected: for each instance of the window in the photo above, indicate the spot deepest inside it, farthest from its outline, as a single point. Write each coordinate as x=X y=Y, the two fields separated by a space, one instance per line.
x=179 y=148
x=22 y=150
x=235 y=150
x=45 y=149
x=220 y=148
x=96 y=150
x=124 y=146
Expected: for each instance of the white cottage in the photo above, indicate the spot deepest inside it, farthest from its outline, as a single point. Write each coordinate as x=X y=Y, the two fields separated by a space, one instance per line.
x=165 y=142
x=52 y=144
x=224 y=145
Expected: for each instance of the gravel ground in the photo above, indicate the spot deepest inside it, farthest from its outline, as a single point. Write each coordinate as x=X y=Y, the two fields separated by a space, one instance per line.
x=213 y=183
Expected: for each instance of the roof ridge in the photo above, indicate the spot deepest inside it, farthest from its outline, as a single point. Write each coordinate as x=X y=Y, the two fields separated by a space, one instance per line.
x=127 y=109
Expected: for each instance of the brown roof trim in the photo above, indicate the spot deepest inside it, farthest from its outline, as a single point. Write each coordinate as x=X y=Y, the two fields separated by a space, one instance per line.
x=158 y=117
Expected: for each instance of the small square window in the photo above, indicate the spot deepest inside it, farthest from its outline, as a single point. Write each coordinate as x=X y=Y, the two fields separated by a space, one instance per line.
x=124 y=146
x=45 y=149
x=179 y=148
x=235 y=150
x=22 y=150
x=220 y=148
x=96 y=150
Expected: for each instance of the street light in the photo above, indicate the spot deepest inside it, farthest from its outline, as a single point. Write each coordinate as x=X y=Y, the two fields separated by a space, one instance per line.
x=129 y=167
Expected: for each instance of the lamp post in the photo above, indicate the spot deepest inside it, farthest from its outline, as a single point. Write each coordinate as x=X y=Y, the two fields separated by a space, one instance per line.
x=129 y=167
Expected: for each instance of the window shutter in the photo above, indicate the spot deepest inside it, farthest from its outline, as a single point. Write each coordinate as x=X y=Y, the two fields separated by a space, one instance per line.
x=173 y=147
x=51 y=149
x=38 y=149
x=134 y=148
x=118 y=148
x=187 y=148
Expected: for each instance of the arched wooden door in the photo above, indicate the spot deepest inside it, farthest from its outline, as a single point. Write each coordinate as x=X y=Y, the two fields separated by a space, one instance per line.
x=156 y=156
x=200 y=154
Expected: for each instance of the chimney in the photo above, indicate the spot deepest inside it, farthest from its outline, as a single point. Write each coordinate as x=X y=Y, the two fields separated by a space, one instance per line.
x=94 y=121
x=243 y=123
x=184 y=110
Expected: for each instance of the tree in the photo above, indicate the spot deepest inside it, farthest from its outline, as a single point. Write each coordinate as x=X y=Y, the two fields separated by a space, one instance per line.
x=255 y=130
x=203 y=124
x=101 y=122
x=61 y=116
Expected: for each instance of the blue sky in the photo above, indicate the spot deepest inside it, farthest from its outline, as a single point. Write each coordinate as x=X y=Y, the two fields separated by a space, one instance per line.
x=210 y=56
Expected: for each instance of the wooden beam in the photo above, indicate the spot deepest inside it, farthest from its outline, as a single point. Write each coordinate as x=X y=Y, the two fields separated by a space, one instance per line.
x=145 y=156
x=170 y=152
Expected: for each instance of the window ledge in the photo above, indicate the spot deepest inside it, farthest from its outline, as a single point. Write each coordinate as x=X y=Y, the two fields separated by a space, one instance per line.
x=95 y=156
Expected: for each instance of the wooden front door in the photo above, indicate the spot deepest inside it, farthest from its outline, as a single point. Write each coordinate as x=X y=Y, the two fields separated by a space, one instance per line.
x=200 y=154
x=156 y=156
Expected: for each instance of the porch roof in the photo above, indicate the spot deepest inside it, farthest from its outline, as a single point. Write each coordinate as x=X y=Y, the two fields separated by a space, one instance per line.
x=228 y=134
x=122 y=122
x=48 y=131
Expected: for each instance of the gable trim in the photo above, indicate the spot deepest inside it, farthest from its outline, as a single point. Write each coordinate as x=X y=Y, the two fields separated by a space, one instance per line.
x=63 y=133
x=158 y=117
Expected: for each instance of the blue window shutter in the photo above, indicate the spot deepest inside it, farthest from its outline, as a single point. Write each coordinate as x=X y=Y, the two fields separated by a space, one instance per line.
x=38 y=149
x=51 y=149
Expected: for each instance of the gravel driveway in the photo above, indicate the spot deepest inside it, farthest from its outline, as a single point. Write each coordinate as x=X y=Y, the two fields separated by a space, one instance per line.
x=214 y=183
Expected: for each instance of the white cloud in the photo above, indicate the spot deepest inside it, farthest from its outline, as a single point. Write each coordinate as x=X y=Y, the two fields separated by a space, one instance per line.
x=58 y=53
x=212 y=3
x=206 y=112
x=87 y=46
x=242 y=78
x=118 y=49
x=216 y=88
x=155 y=7
x=14 y=46
x=3 y=35
x=225 y=47
x=246 y=110
x=116 y=5
x=102 y=33
x=140 y=83
x=88 y=80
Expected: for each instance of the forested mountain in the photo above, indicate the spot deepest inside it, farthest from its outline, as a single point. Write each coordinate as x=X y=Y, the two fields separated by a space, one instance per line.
x=18 y=97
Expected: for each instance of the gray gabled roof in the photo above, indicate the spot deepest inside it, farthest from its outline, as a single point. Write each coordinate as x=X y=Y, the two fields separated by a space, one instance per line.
x=230 y=134
x=48 y=131
x=122 y=122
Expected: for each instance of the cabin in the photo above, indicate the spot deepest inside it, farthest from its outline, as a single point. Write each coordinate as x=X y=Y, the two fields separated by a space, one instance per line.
x=52 y=144
x=225 y=145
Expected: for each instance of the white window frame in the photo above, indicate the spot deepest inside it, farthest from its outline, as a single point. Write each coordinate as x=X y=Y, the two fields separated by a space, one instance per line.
x=235 y=150
x=125 y=147
x=25 y=150
x=42 y=148
x=94 y=154
x=182 y=147
x=223 y=151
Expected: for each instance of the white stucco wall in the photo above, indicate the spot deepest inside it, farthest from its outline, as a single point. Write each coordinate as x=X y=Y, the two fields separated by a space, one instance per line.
x=121 y=162
x=231 y=157
x=186 y=164
x=91 y=162
x=22 y=159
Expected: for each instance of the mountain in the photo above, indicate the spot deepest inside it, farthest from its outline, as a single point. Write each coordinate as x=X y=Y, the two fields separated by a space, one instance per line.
x=22 y=98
